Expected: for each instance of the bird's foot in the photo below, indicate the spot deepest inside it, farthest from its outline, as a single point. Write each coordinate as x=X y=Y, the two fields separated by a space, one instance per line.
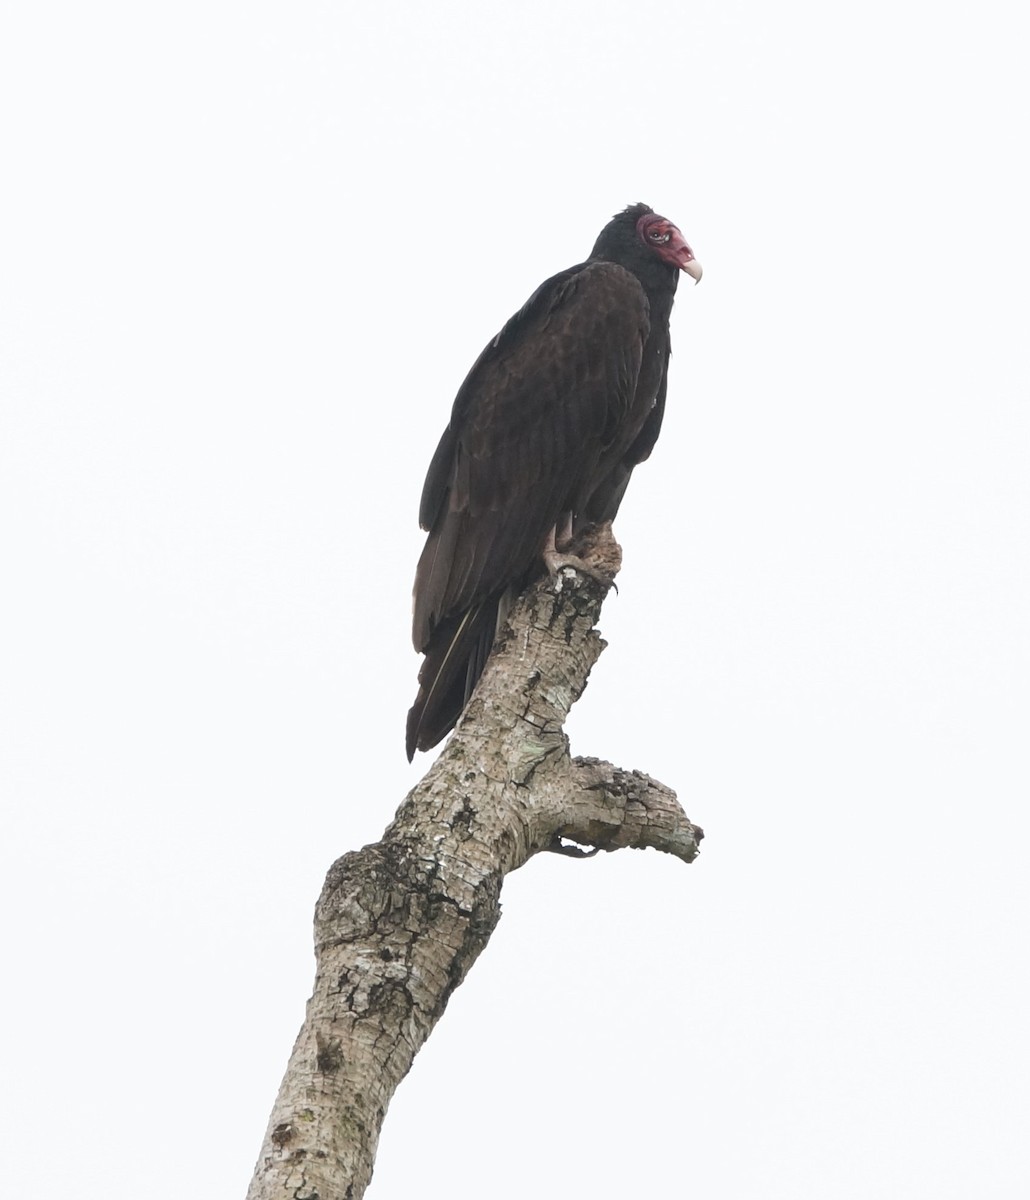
x=597 y=545
x=600 y=557
x=558 y=564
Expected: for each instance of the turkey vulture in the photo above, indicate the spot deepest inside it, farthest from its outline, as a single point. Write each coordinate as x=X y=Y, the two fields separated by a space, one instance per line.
x=544 y=434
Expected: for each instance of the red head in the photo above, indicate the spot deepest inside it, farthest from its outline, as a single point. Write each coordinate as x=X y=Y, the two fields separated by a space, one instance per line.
x=665 y=240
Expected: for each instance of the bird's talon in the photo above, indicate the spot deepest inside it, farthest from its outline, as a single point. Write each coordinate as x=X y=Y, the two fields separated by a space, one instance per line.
x=562 y=567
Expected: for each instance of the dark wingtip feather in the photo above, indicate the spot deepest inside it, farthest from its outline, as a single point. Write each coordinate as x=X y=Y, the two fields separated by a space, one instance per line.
x=455 y=658
x=414 y=720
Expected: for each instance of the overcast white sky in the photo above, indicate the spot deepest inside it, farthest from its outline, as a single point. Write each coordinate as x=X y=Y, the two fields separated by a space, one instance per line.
x=248 y=253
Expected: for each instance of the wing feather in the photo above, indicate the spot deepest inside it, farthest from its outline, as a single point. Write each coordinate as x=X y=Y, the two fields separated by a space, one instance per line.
x=531 y=422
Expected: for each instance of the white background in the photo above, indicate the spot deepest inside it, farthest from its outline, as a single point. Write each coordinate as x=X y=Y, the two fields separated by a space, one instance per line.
x=248 y=253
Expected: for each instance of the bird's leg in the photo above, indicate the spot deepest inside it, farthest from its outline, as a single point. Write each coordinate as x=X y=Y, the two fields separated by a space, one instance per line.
x=604 y=552
x=561 y=535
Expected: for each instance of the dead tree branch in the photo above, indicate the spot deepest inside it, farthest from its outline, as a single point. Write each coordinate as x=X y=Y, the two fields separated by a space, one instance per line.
x=400 y=922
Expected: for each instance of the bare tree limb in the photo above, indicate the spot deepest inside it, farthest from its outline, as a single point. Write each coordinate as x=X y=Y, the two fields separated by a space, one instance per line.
x=400 y=922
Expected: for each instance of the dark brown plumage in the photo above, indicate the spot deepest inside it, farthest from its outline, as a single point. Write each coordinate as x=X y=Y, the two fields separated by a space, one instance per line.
x=545 y=431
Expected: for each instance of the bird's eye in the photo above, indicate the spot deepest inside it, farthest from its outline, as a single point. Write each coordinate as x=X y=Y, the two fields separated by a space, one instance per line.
x=656 y=235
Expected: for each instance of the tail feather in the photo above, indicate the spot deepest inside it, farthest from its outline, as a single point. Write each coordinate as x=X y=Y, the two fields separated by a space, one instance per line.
x=455 y=659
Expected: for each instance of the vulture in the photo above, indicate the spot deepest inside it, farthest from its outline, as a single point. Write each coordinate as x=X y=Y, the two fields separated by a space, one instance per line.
x=544 y=434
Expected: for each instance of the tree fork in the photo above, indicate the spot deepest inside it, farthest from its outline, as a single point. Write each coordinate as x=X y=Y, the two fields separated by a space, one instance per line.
x=399 y=923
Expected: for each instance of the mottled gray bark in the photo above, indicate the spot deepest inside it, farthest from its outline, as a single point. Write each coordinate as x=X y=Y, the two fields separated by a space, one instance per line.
x=399 y=923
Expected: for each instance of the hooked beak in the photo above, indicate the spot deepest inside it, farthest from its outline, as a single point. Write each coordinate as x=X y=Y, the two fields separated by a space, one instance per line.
x=679 y=253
